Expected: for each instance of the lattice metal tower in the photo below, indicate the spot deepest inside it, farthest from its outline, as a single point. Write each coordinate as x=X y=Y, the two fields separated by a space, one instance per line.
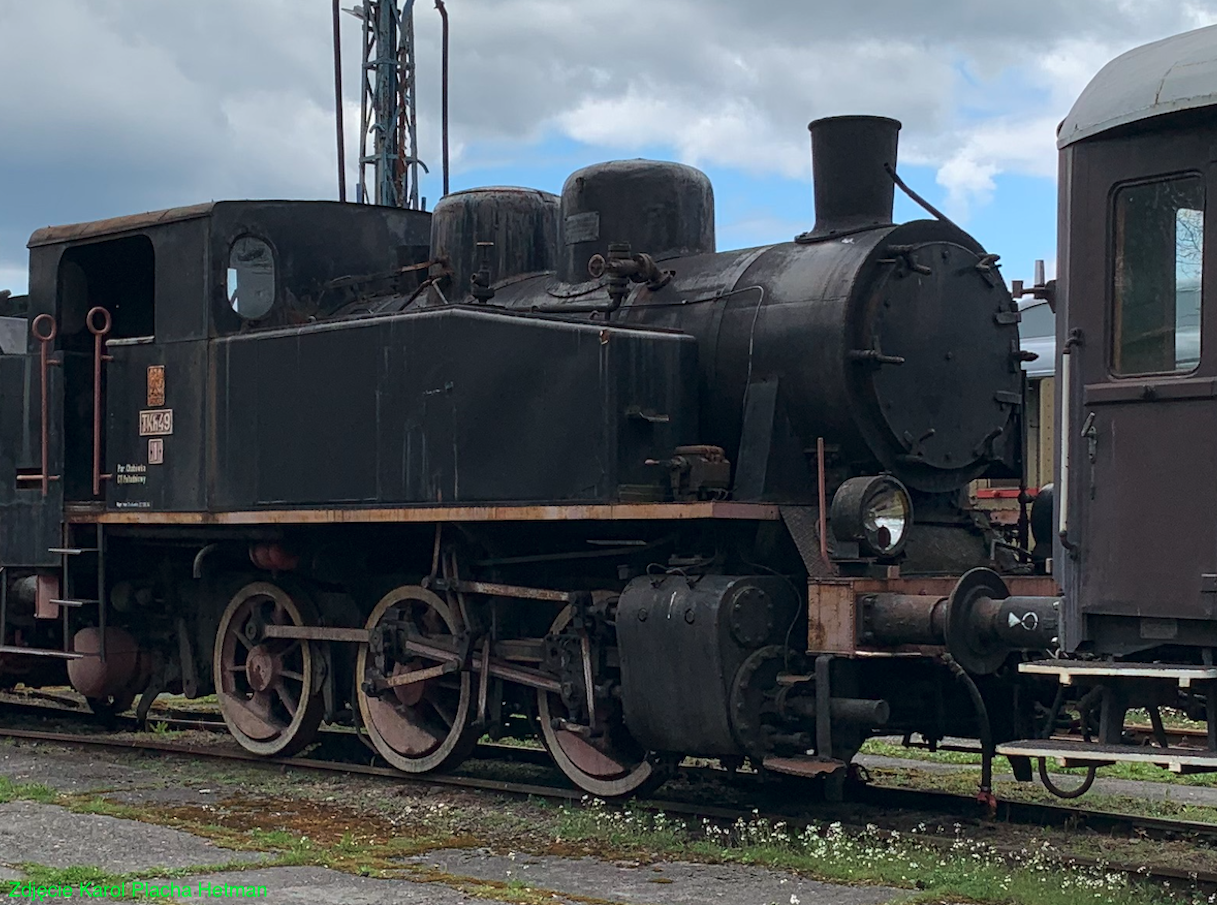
x=388 y=145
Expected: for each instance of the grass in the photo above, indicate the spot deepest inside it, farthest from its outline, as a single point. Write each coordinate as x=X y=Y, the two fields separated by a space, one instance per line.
x=357 y=828
x=937 y=868
x=161 y=729
x=27 y=791
x=964 y=783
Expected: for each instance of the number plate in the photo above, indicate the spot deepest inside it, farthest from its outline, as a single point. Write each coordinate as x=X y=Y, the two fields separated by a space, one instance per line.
x=156 y=423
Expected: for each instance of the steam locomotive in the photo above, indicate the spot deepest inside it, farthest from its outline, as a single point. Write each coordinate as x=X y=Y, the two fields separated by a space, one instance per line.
x=555 y=466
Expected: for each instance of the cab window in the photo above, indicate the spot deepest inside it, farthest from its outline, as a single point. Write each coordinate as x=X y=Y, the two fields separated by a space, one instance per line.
x=251 y=278
x=1158 y=258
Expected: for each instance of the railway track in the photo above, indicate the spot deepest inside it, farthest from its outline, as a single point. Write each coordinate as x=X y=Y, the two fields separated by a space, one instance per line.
x=944 y=806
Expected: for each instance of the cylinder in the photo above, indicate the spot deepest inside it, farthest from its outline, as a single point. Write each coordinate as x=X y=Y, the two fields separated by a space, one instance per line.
x=852 y=189
x=660 y=209
x=520 y=225
x=905 y=619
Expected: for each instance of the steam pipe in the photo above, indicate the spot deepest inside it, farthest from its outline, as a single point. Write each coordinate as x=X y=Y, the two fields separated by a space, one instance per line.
x=983 y=725
x=443 y=12
x=342 y=182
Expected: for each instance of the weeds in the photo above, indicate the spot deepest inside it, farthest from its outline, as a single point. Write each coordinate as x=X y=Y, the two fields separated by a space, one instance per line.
x=28 y=791
x=937 y=865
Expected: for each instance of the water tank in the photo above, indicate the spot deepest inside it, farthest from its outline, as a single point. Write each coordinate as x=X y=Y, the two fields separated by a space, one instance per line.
x=521 y=224
x=661 y=209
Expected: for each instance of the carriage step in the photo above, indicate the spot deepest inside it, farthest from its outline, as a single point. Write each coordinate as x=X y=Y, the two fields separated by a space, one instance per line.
x=73 y=602
x=1068 y=672
x=72 y=551
x=803 y=766
x=1084 y=754
x=40 y=652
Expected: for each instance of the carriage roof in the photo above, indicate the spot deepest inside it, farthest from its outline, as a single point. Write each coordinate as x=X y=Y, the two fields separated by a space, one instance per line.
x=1167 y=76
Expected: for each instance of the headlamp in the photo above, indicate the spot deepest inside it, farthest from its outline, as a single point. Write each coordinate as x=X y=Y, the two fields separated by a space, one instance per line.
x=871 y=517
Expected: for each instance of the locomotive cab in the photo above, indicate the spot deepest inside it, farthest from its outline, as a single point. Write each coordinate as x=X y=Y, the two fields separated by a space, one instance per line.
x=107 y=385
x=128 y=307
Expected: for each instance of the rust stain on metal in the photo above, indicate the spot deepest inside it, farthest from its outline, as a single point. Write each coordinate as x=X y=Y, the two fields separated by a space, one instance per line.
x=317 y=633
x=802 y=766
x=49 y=235
x=832 y=620
x=505 y=590
x=156 y=386
x=46 y=590
x=430 y=514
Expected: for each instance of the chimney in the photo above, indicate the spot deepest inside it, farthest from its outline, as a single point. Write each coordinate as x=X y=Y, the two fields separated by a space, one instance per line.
x=853 y=192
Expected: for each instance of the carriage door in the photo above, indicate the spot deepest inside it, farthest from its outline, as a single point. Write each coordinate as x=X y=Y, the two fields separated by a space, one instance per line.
x=105 y=292
x=1144 y=441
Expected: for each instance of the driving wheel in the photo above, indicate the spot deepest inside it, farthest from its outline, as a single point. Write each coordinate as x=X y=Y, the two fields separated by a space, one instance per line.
x=266 y=687
x=605 y=761
x=415 y=703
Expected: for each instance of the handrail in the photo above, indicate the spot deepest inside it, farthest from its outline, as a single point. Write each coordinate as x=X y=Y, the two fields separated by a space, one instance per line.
x=99 y=332
x=45 y=337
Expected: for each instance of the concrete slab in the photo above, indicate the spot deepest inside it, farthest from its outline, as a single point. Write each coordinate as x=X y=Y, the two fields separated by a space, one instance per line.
x=659 y=884
x=54 y=836
x=301 y=885
x=68 y=771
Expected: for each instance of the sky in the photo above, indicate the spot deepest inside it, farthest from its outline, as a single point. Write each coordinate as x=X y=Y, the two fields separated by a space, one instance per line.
x=111 y=107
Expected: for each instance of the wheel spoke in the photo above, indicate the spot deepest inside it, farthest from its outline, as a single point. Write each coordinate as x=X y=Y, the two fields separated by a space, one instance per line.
x=234 y=668
x=286 y=699
x=292 y=674
x=245 y=642
x=260 y=704
x=445 y=713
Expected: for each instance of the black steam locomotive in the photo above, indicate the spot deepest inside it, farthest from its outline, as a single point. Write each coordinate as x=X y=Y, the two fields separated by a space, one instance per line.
x=528 y=465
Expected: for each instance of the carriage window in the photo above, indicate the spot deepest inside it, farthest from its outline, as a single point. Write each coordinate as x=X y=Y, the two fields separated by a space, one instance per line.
x=251 y=277
x=1159 y=244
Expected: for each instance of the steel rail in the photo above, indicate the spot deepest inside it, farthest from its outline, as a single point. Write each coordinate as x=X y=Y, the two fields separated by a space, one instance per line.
x=937 y=802
x=875 y=795
x=872 y=794
x=1016 y=812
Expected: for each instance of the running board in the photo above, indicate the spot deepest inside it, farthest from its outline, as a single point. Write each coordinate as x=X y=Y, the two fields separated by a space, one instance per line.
x=1070 y=671
x=1085 y=754
x=41 y=652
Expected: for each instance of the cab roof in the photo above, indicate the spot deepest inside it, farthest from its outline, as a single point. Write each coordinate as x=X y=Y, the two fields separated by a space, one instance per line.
x=50 y=235
x=1167 y=76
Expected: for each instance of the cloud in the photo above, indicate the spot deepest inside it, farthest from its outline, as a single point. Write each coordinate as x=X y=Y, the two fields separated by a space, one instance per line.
x=979 y=86
x=111 y=106
x=13 y=278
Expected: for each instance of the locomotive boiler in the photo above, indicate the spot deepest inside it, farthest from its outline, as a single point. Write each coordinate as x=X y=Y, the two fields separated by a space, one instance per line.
x=528 y=466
